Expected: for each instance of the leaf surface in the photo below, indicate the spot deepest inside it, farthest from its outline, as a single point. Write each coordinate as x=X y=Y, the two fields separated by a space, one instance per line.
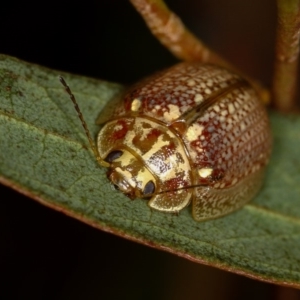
x=44 y=153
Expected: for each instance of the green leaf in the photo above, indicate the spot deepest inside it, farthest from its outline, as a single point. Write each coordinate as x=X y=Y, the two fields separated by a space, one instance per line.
x=44 y=153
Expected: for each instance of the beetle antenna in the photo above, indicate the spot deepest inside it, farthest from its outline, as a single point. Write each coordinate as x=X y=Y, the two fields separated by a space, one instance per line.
x=83 y=123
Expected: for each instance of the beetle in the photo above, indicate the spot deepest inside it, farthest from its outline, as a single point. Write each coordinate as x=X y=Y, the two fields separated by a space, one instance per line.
x=192 y=133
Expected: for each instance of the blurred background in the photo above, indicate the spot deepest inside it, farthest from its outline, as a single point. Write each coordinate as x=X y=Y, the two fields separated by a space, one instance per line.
x=46 y=255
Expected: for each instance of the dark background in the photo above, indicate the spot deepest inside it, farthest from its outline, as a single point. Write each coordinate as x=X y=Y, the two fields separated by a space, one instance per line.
x=46 y=255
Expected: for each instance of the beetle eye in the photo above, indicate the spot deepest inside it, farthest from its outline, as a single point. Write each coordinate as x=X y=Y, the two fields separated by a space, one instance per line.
x=113 y=155
x=116 y=187
x=149 y=188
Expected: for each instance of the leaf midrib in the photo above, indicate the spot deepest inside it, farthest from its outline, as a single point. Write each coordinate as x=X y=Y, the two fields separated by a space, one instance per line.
x=43 y=130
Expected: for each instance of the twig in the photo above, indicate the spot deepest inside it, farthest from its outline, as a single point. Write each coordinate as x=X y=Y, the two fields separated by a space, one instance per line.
x=172 y=33
x=287 y=55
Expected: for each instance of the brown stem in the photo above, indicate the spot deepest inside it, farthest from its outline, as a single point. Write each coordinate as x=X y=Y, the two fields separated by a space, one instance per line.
x=287 y=55
x=171 y=32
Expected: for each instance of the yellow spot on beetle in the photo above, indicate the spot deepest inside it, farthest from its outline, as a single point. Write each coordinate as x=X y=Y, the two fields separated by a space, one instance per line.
x=231 y=108
x=191 y=82
x=136 y=104
x=216 y=108
x=173 y=113
x=205 y=172
x=198 y=98
x=194 y=132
